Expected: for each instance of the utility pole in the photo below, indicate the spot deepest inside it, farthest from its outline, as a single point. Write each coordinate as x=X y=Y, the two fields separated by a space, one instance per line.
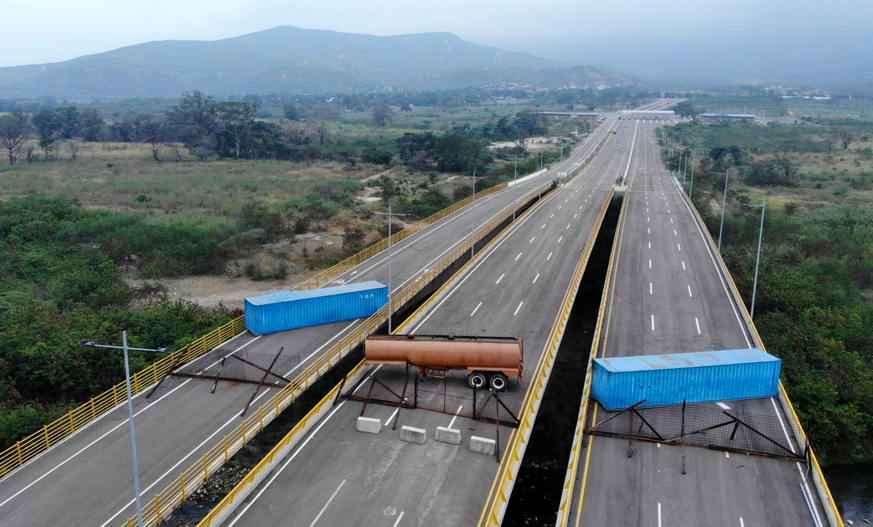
x=126 y=348
x=515 y=190
x=758 y=258
x=473 y=215
x=390 y=292
x=727 y=176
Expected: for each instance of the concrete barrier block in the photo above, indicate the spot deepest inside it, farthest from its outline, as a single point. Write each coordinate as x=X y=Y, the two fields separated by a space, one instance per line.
x=369 y=425
x=413 y=435
x=448 y=435
x=483 y=445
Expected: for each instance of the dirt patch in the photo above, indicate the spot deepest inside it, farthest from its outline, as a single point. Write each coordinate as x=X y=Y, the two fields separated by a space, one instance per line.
x=212 y=291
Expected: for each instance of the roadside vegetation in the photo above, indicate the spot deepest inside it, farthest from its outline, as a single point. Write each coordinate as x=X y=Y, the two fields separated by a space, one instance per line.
x=814 y=305
x=101 y=205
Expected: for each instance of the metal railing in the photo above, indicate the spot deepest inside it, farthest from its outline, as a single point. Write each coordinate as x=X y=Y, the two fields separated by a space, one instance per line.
x=187 y=482
x=329 y=274
x=832 y=511
x=243 y=488
x=498 y=499
x=576 y=448
x=53 y=433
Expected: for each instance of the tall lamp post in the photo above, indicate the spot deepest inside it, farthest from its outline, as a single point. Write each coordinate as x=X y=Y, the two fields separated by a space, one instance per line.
x=126 y=348
x=515 y=190
x=473 y=217
x=758 y=258
x=727 y=176
x=390 y=292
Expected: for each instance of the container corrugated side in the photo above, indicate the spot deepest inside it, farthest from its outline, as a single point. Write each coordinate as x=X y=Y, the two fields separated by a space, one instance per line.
x=716 y=380
x=299 y=309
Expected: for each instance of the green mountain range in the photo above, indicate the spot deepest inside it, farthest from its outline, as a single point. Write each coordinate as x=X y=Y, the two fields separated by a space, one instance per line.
x=292 y=60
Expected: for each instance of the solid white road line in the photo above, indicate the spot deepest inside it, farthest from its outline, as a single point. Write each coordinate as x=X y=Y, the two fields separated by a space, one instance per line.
x=89 y=445
x=288 y=462
x=659 y=514
x=327 y=504
x=391 y=417
x=456 y=415
x=232 y=419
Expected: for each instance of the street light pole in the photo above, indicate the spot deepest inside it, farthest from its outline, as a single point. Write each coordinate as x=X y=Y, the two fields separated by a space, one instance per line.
x=758 y=258
x=473 y=216
x=390 y=292
x=515 y=190
x=126 y=348
x=723 y=204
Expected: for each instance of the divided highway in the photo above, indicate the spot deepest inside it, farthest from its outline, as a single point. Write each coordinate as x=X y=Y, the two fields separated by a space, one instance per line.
x=87 y=479
x=338 y=476
x=667 y=294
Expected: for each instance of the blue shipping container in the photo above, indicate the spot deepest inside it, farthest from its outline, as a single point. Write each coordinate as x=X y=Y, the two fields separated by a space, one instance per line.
x=700 y=377
x=300 y=309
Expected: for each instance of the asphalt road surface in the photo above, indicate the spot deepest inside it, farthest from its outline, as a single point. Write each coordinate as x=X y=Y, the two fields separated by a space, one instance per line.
x=88 y=480
x=338 y=476
x=668 y=295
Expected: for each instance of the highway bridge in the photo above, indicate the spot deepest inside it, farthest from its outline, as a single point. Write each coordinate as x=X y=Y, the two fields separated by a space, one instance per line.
x=522 y=282
x=668 y=291
x=184 y=419
x=515 y=287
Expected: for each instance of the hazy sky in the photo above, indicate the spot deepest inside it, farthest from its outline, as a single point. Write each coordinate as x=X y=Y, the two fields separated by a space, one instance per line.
x=659 y=40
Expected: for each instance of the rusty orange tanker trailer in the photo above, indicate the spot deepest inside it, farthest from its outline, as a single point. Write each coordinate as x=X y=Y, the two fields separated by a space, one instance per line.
x=488 y=360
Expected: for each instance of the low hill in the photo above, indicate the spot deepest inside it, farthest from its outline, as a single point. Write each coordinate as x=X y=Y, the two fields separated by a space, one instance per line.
x=290 y=60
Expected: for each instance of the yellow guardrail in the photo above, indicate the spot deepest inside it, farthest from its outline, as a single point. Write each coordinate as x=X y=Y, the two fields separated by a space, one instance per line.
x=51 y=434
x=329 y=274
x=38 y=442
x=495 y=507
x=832 y=510
x=241 y=488
x=576 y=449
x=177 y=492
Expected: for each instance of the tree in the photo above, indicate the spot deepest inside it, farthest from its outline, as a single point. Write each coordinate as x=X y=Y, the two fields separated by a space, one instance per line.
x=14 y=131
x=459 y=153
x=90 y=124
x=196 y=118
x=776 y=171
x=236 y=120
x=389 y=189
x=291 y=112
x=153 y=132
x=68 y=121
x=845 y=136
x=382 y=114
x=685 y=109
x=46 y=123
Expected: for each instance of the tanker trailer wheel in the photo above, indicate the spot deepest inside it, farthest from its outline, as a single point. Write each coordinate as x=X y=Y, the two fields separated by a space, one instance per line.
x=498 y=382
x=477 y=380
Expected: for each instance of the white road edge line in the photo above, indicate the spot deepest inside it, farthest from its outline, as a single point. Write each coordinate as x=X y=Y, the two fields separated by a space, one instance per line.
x=332 y=496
